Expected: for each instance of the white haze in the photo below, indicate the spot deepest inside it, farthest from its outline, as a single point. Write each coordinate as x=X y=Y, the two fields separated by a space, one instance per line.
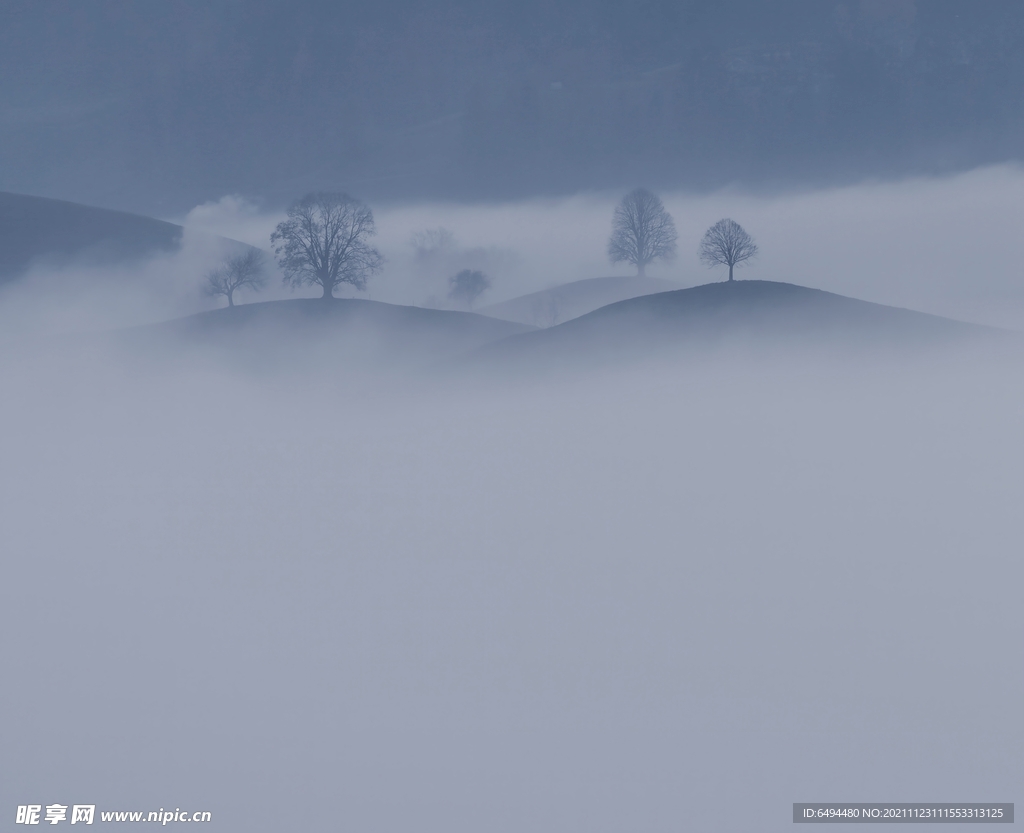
x=84 y=296
x=942 y=245
x=679 y=597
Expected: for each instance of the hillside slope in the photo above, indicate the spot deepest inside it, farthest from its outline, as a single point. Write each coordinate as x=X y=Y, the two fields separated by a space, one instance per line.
x=755 y=315
x=36 y=227
x=571 y=300
x=308 y=332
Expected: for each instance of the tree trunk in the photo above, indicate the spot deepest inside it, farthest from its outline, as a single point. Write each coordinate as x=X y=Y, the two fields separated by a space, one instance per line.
x=328 y=292
x=730 y=271
x=641 y=270
x=231 y=301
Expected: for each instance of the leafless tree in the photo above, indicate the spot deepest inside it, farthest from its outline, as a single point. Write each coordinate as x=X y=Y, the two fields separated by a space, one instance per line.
x=726 y=244
x=468 y=285
x=642 y=231
x=324 y=242
x=546 y=310
x=244 y=270
x=429 y=244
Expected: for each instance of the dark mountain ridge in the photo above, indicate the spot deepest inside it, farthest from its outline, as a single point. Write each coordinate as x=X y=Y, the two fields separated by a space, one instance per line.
x=56 y=232
x=36 y=227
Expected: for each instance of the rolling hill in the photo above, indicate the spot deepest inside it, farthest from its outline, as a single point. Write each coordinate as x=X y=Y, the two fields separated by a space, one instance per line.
x=55 y=232
x=35 y=227
x=345 y=332
x=751 y=315
x=571 y=300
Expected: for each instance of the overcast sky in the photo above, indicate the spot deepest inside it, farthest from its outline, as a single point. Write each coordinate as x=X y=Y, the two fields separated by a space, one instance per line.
x=157 y=108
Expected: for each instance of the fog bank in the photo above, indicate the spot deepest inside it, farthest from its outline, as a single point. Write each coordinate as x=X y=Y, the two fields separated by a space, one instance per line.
x=686 y=595
x=942 y=245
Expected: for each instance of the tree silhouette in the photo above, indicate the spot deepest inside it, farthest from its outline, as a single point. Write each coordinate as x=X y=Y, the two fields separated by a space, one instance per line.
x=468 y=285
x=726 y=244
x=247 y=269
x=324 y=242
x=642 y=231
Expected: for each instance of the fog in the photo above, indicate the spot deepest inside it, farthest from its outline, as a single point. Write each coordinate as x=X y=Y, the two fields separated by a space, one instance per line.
x=79 y=294
x=944 y=245
x=680 y=594
x=614 y=561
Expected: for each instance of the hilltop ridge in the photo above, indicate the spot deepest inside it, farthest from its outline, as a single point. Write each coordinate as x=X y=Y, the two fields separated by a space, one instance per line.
x=549 y=307
x=57 y=231
x=752 y=314
x=309 y=331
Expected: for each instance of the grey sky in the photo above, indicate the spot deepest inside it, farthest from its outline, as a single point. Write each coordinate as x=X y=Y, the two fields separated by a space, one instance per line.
x=159 y=107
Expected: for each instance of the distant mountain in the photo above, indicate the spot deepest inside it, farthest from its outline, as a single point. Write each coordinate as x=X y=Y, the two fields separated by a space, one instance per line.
x=345 y=332
x=571 y=300
x=35 y=227
x=754 y=315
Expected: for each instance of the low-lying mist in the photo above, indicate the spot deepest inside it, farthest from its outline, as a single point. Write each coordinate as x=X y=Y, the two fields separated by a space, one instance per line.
x=677 y=593
x=81 y=295
x=689 y=593
x=944 y=245
x=941 y=245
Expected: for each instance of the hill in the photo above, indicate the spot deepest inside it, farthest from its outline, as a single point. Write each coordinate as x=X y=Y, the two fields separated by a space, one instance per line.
x=571 y=300
x=345 y=332
x=36 y=227
x=754 y=315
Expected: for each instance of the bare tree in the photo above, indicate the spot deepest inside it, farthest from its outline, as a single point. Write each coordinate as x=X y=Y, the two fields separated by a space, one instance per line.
x=726 y=244
x=323 y=243
x=468 y=285
x=430 y=244
x=245 y=270
x=642 y=231
x=546 y=309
